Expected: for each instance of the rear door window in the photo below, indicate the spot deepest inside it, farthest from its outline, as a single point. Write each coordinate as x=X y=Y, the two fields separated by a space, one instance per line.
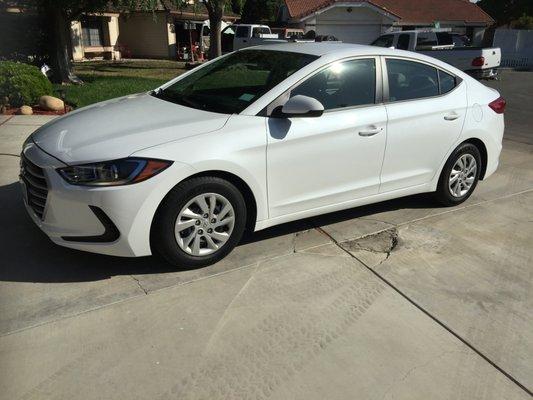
x=403 y=42
x=409 y=80
x=242 y=32
x=384 y=41
x=425 y=40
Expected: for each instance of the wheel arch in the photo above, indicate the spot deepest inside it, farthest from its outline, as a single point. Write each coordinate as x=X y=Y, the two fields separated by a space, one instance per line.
x=238 y=182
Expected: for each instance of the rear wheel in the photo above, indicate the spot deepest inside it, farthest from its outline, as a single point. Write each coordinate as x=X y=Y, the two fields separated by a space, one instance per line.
x=459 y=176
x=199 y=222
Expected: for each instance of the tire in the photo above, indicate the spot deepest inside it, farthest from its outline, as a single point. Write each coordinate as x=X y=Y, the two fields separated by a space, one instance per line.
x=450 y=194
x=180 y=215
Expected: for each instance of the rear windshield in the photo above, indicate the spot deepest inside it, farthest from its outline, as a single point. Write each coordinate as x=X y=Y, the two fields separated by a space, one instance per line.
x=232 y=83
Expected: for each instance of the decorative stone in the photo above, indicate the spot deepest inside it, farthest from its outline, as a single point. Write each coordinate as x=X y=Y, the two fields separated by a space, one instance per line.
x=25 y=110
x=51 y=103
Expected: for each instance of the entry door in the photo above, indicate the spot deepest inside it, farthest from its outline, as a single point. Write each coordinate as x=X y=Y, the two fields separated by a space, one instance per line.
x=426 y=110
x=320 y=161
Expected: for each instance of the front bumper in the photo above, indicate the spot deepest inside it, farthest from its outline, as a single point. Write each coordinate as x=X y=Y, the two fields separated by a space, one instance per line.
x=107 y=220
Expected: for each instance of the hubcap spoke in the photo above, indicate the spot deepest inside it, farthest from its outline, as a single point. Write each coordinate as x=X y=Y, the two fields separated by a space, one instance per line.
x=225 y=221
x=221 y=237
x=204 y=224
x=181 y=226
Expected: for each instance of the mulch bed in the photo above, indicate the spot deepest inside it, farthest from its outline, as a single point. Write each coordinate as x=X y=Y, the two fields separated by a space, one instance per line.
x=38 y=111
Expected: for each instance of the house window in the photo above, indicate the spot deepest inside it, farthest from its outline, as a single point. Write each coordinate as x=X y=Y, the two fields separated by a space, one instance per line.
x=91 y=29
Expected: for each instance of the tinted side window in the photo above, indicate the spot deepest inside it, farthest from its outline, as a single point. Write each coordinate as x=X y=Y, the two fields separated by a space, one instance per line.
x=403 y=42
x=346 y=84
x=444 y=39
x=384 y=41
x=242 y=32
x=411 y=80
x=447 y=82
x=425 y=40
x=259 y=31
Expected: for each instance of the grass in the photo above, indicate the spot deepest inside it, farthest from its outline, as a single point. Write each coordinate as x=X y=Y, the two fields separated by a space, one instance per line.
x=106 y=79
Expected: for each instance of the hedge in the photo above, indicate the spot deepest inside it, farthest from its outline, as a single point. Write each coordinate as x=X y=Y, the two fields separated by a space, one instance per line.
x=22 y=84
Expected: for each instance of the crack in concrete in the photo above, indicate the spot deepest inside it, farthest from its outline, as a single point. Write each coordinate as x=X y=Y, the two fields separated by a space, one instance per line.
x=139 y=284
x=383 y=242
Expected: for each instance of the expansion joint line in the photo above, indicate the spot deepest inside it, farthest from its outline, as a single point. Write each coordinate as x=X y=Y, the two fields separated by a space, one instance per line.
x=433 y=317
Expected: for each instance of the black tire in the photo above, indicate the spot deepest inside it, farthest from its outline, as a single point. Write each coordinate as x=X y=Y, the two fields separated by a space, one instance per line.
x=163 y=239
x=443 y=194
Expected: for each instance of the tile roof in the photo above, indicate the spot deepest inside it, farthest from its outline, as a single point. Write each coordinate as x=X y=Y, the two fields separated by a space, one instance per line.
x=409 y=11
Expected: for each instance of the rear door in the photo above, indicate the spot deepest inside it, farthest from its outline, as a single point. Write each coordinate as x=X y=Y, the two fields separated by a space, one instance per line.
x=426 y=108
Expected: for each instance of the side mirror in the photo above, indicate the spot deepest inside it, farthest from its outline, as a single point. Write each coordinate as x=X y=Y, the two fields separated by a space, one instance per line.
x=302 y=106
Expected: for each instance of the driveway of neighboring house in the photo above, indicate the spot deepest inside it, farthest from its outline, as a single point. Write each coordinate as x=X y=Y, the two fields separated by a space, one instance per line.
x=400 y=300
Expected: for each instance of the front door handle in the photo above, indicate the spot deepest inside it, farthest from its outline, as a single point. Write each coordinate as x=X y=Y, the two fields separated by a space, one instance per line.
x=451 y=117
x=370 y=132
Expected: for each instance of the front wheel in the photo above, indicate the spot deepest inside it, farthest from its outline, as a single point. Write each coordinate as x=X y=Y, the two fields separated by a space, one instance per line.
x=459 y=176
x=199 y=222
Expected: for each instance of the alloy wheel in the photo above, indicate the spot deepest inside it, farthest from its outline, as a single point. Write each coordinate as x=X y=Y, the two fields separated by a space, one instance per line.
x=463 y=175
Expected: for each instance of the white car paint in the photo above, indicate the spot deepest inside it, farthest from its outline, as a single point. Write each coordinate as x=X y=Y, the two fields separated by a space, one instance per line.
x=295 y=168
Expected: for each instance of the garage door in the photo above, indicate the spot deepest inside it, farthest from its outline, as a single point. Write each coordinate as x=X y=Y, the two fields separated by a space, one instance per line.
x=360 y=34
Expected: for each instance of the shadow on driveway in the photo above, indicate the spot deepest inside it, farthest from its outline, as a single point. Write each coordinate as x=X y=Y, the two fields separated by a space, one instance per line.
x=29 y=256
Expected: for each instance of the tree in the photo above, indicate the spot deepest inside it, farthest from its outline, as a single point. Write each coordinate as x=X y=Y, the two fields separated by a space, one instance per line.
x=255 y=11
x=504 y=12
x=215 y=10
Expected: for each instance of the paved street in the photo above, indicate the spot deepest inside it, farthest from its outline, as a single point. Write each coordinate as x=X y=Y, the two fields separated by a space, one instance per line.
x=398 y=300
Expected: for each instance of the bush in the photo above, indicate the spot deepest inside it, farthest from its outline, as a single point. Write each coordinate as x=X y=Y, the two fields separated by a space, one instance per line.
x=22 y=84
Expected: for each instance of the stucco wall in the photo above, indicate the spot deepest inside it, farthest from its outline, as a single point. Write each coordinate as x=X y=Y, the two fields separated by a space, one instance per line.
x=146 y=36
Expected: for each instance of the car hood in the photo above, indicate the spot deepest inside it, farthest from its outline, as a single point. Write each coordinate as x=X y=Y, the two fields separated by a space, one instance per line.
x=117 y=128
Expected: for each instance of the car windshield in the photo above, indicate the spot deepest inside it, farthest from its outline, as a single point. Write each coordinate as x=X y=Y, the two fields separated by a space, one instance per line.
x=232 y=83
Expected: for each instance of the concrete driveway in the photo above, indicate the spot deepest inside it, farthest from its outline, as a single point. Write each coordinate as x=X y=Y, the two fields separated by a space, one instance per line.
x=399 y=300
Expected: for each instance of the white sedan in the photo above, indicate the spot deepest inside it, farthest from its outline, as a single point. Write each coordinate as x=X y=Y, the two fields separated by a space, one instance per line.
x=257 y=138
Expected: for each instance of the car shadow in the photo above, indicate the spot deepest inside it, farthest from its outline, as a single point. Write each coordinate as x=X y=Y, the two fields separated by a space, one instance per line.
x=28 y=255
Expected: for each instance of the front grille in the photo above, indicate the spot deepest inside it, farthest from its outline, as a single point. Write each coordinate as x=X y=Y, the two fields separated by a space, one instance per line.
x=36 y=185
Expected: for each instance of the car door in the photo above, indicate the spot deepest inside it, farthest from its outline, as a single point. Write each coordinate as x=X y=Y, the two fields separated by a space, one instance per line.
x=337 y=157
x=426 y=108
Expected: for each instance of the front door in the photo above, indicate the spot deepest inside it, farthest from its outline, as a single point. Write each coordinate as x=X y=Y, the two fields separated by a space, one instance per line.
x=320 y=161
x=426 y=109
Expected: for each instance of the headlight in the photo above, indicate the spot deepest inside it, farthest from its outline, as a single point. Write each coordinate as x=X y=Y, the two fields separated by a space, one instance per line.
x=113 y=173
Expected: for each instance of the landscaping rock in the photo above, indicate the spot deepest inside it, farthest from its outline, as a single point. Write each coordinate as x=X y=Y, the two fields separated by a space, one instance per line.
x=25 y=110
x=51 y=103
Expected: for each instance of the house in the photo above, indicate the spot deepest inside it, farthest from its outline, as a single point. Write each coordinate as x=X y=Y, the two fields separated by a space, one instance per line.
x=362 y=21
x=161 y=33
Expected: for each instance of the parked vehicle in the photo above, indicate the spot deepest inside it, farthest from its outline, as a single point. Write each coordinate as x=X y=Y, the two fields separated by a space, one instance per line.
x=476 y=61
x=254 y=139
x=246 y=35
x=289 y=33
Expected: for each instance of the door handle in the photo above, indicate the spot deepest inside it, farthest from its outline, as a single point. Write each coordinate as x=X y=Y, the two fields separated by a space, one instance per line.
x=370 y=132
x=451 y=117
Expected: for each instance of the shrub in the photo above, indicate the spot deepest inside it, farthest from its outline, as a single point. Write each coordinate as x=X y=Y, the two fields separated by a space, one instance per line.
x=22 y=84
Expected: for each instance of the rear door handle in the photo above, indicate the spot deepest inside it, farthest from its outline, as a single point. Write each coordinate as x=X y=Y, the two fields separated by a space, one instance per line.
x=370 y=132
x=451 y=117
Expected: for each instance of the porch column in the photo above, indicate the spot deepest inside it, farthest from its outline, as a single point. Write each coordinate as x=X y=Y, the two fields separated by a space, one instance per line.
x=76 y=39
x=113 y=31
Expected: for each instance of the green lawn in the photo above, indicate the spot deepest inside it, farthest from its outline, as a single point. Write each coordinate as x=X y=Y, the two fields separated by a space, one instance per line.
x=106 y=79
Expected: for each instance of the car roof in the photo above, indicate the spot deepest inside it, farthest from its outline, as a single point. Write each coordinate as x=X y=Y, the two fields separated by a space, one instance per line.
x=322 y=48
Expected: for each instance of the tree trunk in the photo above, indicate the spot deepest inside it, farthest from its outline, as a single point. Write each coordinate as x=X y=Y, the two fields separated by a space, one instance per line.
x=215 y=22
x=60 y=55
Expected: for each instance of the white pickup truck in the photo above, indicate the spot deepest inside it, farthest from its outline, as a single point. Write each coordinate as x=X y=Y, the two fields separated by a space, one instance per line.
x=477 y=61
x=236 y=37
